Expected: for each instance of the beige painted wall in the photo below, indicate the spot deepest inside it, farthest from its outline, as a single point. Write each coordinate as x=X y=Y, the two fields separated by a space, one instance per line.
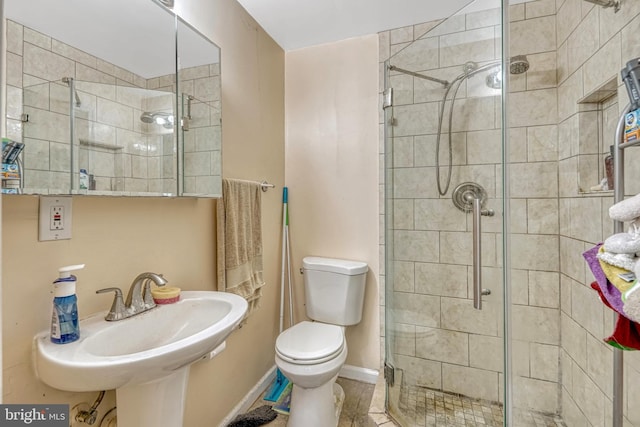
x=120 y=237
x=332 y=169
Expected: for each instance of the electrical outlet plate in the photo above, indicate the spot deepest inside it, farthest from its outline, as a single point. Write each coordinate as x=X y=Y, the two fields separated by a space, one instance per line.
x=55 y=218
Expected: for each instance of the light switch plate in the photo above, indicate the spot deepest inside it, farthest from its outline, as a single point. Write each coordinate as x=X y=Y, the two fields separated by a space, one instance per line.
x=55 y=218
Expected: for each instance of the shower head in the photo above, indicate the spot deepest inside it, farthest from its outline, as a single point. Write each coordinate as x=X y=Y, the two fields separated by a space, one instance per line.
x=607 y=3
x=159 y=118
x=147 y=117
x=519 y=64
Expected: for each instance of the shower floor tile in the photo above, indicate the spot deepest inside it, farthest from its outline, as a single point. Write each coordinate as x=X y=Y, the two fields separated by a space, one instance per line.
x=431 y=408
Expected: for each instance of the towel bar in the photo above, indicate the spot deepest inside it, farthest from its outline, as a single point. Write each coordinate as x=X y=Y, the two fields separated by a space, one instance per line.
x=265 y=186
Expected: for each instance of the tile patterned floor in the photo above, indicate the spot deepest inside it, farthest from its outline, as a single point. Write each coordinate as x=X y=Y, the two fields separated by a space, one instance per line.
x=431 y=408
x=364 y=407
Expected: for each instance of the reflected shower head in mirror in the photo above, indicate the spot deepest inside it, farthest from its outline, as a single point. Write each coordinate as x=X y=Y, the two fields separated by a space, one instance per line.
x=160 y=118
x=69 y=81
x=78 y=102
x=607 y=3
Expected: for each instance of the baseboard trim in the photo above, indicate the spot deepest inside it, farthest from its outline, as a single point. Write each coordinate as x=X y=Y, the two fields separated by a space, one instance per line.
x=365 y=375
x=251 y=397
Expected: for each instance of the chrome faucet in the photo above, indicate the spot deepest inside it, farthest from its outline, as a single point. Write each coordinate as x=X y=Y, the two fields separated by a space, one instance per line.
x=139 y=298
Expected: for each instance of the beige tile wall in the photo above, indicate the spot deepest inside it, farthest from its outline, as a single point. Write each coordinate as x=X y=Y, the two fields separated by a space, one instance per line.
x=592 y=46
x=202 y=143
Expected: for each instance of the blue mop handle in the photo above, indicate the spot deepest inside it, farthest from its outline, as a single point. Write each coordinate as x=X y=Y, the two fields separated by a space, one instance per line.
x=285 y=203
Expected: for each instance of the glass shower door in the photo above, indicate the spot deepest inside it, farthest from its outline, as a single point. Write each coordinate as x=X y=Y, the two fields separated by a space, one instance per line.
x=46 y=134
x=448 y=362
x=444 y=145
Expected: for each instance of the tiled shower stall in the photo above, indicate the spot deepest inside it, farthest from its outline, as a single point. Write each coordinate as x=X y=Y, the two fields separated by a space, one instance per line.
x=562 y=114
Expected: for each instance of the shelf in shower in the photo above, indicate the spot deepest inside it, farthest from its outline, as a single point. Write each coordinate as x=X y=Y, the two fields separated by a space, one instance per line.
x=96 y=144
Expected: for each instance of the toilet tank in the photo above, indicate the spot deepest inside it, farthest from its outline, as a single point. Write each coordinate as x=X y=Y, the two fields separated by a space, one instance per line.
x=334 y=289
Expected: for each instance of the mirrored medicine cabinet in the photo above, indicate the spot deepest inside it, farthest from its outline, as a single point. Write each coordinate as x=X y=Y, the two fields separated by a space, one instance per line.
x=118 y=98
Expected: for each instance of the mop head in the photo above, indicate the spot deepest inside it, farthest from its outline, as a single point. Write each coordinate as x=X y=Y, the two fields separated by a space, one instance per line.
x=256 y=417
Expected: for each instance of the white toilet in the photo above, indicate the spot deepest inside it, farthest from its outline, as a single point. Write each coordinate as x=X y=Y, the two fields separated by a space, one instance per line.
x=311 y=354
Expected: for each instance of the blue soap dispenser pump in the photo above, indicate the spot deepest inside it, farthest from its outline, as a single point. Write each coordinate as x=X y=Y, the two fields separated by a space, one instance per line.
x=64 y=317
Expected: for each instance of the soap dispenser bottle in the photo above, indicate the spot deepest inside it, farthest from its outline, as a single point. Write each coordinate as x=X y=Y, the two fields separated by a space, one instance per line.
x=64 y=317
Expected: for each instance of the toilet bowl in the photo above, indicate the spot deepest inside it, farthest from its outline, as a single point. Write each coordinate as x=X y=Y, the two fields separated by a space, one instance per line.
x=311 y=353
x=312 y=364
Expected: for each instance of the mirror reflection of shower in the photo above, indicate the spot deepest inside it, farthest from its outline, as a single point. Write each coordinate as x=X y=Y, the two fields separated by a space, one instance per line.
x=518 y=65
x=616 y=4
x=69 y=81
x=166 y=120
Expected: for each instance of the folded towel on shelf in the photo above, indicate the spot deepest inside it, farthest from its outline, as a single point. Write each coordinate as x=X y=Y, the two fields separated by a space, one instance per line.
x=613 y=273
x=624 y=243
x=626 y=210
x=609 y=292
x=626 y=333
x=625 y=261
x=239 y=240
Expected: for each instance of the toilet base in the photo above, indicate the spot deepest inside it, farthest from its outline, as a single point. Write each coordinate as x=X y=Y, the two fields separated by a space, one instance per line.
x=316 y=407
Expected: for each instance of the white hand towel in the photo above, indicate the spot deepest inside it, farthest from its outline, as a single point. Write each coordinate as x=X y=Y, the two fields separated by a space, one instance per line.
x=624 y=243
x=626 y=210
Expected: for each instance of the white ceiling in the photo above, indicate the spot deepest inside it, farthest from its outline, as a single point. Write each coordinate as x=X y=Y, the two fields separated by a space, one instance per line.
x=295 y=24
x=144 y=46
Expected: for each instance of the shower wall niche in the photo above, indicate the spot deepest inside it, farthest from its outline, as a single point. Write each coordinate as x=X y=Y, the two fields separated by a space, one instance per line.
x=596 y=121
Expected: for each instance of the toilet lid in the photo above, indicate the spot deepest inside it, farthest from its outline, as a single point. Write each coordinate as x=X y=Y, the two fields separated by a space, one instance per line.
x=310 y=341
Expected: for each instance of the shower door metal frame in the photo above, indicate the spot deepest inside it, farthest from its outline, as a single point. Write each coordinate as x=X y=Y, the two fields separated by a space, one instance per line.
x=506 y=221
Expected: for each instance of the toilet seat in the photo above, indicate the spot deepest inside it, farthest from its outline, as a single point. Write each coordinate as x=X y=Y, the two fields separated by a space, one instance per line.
x=310 y=343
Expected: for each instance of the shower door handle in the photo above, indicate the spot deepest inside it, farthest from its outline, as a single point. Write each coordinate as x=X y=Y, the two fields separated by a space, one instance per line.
x=478 y=292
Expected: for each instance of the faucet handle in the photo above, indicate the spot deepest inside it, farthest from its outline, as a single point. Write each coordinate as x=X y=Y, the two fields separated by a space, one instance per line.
x=117 y=310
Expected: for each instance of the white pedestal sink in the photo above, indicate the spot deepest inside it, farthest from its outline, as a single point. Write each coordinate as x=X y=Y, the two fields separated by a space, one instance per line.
x=145 y=358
